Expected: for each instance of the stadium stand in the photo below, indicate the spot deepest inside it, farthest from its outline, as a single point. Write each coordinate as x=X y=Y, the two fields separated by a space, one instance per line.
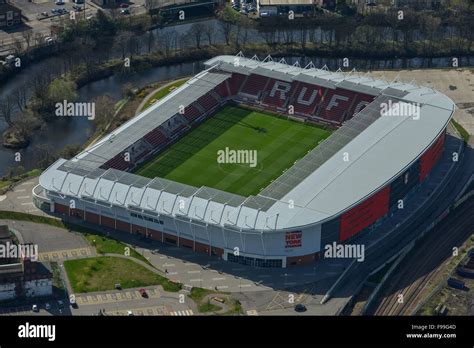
x=306 y=98
x=277 y=93
x=156 y=138
x=192 y=113
x=208 y=102
x=235 y=83
x=335 y=104
x=254 y=85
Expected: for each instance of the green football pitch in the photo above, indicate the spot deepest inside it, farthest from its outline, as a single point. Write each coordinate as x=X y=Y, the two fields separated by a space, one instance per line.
x=193 y=160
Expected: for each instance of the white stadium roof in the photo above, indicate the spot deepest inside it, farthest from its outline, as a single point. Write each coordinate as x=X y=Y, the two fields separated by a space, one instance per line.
x=321 y=185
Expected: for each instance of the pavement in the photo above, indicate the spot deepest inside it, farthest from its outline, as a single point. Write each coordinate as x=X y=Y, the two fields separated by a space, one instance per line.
x=20 y=199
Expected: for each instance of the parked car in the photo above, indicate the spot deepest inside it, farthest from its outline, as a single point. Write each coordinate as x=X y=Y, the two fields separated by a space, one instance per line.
x=125 y=11
x=77 y=8
x=124 y=5
x=35 y=308
x=300 y=308
x=143 y=293
x=130 y=313
x=118 y=286
x=59 y=2
x=60 y=304
x=47 y=306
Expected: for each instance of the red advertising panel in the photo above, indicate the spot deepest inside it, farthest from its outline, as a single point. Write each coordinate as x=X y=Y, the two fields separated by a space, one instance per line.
x=293 y=239
x=365 y=214
x=431 y=157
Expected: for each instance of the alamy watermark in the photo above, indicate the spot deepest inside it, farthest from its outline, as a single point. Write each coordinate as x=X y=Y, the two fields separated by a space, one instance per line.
x=345 y=251
x=15 y=251
x=402 y=109
x=231 y=156
x=71 y=109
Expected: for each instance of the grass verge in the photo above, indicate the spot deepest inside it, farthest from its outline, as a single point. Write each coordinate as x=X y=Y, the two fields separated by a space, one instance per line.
x=464 y=133
x=102 y=273
x=6 y=182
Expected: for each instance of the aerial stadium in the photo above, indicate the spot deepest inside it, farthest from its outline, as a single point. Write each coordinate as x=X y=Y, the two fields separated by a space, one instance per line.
x=336 y=152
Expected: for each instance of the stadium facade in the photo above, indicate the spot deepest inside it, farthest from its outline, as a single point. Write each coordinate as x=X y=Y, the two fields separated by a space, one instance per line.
x=389 y=136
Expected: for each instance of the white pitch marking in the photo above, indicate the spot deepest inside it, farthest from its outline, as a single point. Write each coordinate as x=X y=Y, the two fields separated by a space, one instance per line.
x=23 y=197
x=194 y=272
x=195 y=280
x=246 y=285
x=29 y=203
x=221 y=278
x=222 y=287
x=20 y=190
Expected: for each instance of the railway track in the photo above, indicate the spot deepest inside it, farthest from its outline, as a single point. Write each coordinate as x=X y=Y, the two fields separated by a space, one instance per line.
x=425 y=263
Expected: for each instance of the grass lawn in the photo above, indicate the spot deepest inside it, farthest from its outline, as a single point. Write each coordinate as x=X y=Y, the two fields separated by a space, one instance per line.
x=163 y=92
x=6 y=182
x=208 y=307
x=102 y=273
x=464 y=133
x=278 y=142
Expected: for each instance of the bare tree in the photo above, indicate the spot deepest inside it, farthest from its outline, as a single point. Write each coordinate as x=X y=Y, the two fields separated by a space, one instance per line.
x=6 y=110
x=209 y=31
x=38 y=38
x=28 y=36
x=150 y=40
x=122 y=41
x=20 y=97
x=105 y=110
x=17 y=45
x=226 y=28
x=197 y=31
x=150 y=5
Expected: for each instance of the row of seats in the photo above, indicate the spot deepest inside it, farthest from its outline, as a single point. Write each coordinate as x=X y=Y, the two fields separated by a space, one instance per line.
x=335 y=105
x=208 y=102
x=118 y=162
x=156 y=137
x=254 y=85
